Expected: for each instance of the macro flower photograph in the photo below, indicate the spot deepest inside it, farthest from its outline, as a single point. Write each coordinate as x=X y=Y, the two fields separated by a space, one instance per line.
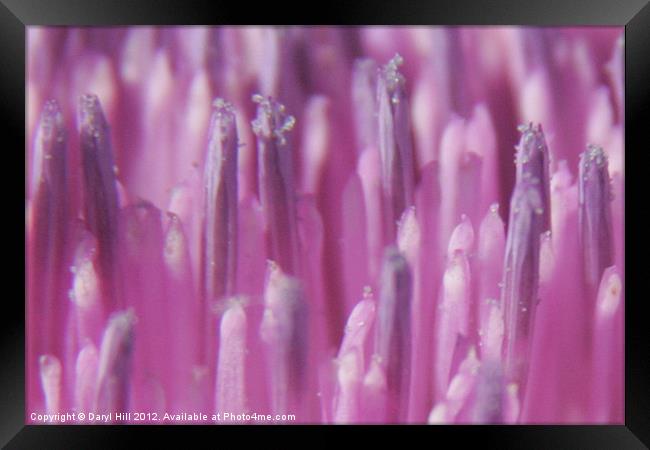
x=324 y=225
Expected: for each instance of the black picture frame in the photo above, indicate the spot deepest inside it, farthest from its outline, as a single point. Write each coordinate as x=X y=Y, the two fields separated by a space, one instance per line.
x=16 y=15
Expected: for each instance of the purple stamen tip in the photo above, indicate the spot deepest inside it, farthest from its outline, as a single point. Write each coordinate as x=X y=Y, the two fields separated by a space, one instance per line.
x=223 y=123
x=51 y=146
x=532 y=162
x=595 y=214
x=220 y=201
x=395 y=145
x=100 y=190
x=276 y=181
x=271 y=121
x=391 y=78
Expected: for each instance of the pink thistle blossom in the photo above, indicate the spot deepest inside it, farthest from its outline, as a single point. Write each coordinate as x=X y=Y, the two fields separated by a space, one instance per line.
x=325 y=225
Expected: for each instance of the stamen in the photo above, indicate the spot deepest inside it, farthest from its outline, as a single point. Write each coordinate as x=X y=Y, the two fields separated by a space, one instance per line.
x=521 y=277
x=100 y=190
x=47 y=227
x=395 y=146
x=50 y=151
x=219 y=232
x=532 y=162
x=276 y=181
x=220 y=205
x=595 y=217
x=393 y=335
